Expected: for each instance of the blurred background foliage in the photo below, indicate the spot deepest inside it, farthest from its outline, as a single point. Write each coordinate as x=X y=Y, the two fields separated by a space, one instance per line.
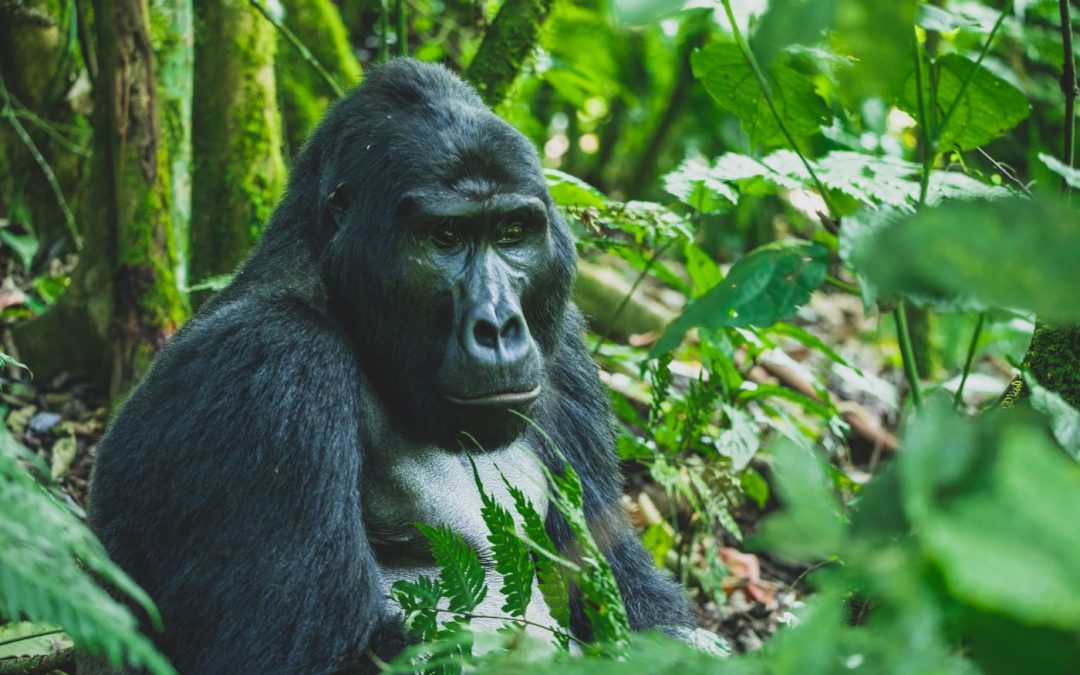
x=817 y=223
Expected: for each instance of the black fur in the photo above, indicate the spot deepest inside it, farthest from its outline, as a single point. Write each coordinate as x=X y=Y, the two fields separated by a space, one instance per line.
x=228 y=486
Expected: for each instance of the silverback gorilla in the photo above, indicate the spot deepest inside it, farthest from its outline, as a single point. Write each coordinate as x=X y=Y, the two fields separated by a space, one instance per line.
x=412 y=287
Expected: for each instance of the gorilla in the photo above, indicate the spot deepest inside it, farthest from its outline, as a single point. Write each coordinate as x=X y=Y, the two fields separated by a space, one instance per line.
x=412 y=287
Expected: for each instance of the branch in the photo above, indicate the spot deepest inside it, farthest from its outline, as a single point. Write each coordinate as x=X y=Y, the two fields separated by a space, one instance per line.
x=507 y=44
x=1068 y=86
x=305 y=53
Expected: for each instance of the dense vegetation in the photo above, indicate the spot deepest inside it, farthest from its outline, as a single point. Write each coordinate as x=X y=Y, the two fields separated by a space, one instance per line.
x=828 y=250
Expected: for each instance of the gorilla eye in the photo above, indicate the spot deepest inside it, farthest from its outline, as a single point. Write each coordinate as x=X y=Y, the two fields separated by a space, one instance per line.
x=512 y=234
x=445 y=237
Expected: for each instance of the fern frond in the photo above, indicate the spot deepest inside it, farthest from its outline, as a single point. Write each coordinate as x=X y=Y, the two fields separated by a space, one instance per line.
x=460 y=570
x=41 y=546
x=419 y=601
x=512 y=559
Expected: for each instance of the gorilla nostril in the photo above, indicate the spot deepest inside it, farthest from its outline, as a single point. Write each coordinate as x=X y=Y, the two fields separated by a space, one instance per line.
x=511 y=330
x=486 y=334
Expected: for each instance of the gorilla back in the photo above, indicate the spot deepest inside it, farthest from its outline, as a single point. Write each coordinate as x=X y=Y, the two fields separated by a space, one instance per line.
x=412 y=286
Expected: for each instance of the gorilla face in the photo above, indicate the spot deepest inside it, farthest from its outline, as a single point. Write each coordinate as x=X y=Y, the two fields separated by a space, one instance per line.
x=450 y=267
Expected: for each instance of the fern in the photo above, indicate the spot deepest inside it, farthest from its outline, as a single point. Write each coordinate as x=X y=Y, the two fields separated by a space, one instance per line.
x=512 y=559
x=459 y=568
x=42 y=544
x=550 y=574
x=419 y=601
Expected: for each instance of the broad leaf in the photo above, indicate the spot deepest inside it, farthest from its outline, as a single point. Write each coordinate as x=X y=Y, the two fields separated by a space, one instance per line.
x=791 y=22
x=730 y=81
x=1015 y=253
x=762 y=288
x=877 y=36
x=1071 y=175
x=740 y=440
x=1064 y=419
x=988 y=107
x=569 y=190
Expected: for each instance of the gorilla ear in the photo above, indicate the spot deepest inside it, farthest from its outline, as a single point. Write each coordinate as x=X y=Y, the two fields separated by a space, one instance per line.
x=337 y=202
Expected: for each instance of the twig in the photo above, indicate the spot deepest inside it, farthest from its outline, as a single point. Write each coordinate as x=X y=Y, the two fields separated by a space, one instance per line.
x=9 y=112
x=766 y=91
x=305 y=53
x=959 y=398
x=633 y=288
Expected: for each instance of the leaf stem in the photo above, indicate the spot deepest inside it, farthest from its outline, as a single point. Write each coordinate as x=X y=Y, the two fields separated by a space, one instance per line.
x=959 y=398
x=907 y=354
x=534 y=624
x=929 y=153
x=766 y=91
x=31 y=636
x=626 y=300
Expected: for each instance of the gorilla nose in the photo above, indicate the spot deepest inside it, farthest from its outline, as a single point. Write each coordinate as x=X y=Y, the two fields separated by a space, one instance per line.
x=496 y=342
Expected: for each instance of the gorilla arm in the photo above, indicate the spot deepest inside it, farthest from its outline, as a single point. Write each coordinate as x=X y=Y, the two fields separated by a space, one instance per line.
x=229 y=488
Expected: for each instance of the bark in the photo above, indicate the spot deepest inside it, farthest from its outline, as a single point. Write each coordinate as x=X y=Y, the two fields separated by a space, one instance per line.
x=508 y=42
x=305 y=94
x=1054 y=360
x=123 y=302
x=236 y=135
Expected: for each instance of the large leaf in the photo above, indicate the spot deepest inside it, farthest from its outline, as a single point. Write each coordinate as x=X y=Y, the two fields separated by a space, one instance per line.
x=992 y=503
x=877 y=36
x=791 y=22
x=728 y=78
x=1007 y=253
x=988 y=107
x=764 y=287
x=694 y=185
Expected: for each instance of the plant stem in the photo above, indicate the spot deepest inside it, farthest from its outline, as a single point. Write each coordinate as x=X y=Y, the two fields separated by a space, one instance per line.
x=403 y=29
x=971 y=73
x=384 y=24
x=305 y=53
x=959 y=398
x=766 y=91
x=843 y=285
x=9 y=112
x=1068 y=88
x=470 y=615
x=929 y=153
x=907 y=354
x=633 y=288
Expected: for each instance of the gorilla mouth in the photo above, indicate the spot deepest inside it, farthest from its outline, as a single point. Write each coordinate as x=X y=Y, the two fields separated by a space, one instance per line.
x=499 y=399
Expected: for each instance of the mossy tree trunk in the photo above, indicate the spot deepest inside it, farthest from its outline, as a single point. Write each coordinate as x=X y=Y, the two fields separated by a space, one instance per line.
x=507 y=44
x=304 y=92
x=236 y=135
x=124 y=301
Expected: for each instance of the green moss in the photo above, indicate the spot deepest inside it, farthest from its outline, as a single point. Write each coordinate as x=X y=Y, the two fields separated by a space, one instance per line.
x=239 y=172
x=1054 y=359
x=304 y=93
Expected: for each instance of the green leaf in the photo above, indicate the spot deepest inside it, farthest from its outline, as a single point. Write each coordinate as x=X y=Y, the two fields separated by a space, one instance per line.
x=877 y=36
x=643 y=12
x=791 y=22
x=811 y=525
x=1071 y=175
x=569 y=190
x=740 y=441
x=657 y=540
x=511 y=554
x=987 y=499
x=981 y=250
x=730 y=81
x=460 y=571
x=988 y=107
x=1064 y=419
x=25 y=246
x=764 y=287
x=942 y=20
x=419 y=601
x=693 y=185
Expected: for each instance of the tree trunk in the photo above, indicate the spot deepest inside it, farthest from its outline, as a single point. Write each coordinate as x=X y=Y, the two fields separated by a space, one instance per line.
x=123 y=301
x=304 y=92
x=508 y=42
x=238 y=173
